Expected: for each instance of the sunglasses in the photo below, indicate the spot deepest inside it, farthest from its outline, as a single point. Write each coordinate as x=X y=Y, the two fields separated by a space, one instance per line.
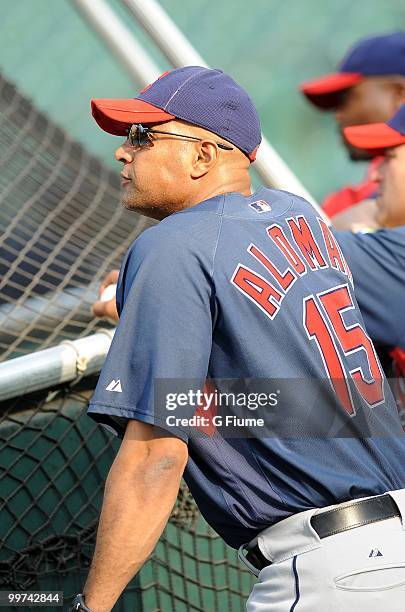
x=141 y=136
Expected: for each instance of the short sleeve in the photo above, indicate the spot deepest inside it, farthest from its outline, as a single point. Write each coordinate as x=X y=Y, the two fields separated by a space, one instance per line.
x=377 y=263
x=164 y=297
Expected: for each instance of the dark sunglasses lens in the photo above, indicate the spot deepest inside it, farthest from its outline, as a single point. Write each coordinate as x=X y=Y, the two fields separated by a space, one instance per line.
x=138 y=136
x=132 y=136
x=143 y=136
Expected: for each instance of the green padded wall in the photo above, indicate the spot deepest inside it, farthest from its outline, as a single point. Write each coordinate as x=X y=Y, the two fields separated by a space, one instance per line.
x=269 y=46
x=53 y=465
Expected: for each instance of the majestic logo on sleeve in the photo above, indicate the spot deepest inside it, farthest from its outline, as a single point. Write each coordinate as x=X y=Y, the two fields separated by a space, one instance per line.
x=115 y=385
x=260 y=206
x=375 y=553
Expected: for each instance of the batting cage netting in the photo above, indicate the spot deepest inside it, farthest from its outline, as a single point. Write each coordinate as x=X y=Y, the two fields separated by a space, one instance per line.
x=62 y=230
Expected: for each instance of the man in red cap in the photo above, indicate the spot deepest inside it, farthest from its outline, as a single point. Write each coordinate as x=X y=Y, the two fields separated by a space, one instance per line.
x=378 y=260
x=241 y=289
x=387 y=139
x=368 y=87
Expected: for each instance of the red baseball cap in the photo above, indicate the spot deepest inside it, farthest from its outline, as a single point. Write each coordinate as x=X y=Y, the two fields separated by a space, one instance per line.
x=373 y=56
x=375 y=137
x=201 y=96
x=324 y=91
x=114 y=115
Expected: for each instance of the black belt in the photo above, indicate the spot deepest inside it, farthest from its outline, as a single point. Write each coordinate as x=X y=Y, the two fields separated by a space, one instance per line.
x=338 y=520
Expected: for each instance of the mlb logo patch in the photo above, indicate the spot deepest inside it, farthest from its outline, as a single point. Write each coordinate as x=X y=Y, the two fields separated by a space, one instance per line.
x=260 y=206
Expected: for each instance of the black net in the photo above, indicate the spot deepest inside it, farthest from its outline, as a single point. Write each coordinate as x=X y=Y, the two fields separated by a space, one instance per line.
x=62 y=230
x=53 y=463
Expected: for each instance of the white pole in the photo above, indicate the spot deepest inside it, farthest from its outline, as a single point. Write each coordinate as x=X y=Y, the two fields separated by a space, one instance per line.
x=53 y=366
x=162 y=29
x=120 y=40
x=274 y=171
x=172 y=42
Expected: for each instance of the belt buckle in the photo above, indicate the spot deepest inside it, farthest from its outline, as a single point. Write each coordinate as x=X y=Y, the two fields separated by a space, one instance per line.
x=245 y=548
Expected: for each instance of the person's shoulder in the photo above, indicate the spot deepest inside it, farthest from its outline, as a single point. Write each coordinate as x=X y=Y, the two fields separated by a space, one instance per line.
x=179 y=235
x=389 y=237
x=393 y=241
x=395 y=235
x=293 y=205
x=292 y=201
x=263 y=204
x=385 y=246
x=279 y=195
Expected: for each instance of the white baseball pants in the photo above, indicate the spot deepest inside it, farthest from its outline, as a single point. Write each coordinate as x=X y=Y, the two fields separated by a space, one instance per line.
x=360 y=570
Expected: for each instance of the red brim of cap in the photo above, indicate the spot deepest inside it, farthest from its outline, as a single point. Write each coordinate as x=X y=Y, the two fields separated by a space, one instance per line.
x=373 y=137
x=324 y=92
x=115 y=115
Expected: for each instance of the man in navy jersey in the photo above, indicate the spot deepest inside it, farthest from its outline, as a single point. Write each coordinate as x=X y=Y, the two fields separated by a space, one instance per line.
x=306 y=477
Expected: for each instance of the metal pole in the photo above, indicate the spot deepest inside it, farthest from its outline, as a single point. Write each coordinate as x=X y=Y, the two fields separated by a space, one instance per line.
x=120 y=40
x=165 y=33
x=53 y=366
x=15 y=318
x=172 y=42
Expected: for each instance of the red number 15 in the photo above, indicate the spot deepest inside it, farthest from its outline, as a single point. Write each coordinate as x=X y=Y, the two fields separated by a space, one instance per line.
x=329 y=332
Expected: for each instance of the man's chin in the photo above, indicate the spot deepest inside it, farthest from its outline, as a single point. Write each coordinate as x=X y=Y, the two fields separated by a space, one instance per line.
x=380 y=215
x=129 y=202
x=127 y=205
x=151 y=212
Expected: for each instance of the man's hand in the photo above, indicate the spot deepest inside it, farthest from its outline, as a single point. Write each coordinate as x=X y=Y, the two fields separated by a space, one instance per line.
x=107 y=309
x=140 y=492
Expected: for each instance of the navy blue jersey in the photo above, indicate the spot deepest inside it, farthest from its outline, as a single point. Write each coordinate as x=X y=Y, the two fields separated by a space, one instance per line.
x=254 y=288
x=377 y=262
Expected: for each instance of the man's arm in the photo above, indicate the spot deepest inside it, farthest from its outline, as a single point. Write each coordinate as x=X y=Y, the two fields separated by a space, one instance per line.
x=377 y=262
x=140 y=492
x=165 y=299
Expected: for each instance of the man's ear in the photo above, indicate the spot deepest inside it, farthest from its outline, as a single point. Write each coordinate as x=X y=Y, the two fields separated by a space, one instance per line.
x=206 y=154
x=398 y=89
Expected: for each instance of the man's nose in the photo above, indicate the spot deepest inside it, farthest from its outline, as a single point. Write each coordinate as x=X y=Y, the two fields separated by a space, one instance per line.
x=123 y=154
x=377 y=174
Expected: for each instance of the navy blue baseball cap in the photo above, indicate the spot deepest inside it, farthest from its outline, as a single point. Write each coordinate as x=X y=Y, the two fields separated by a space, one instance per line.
x=374 y=56
x=201 y=96
x=375 y=137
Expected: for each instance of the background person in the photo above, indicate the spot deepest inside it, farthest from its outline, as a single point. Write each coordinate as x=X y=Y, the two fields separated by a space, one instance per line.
x=369 y=87
x=387 y=140
x=377 y=260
